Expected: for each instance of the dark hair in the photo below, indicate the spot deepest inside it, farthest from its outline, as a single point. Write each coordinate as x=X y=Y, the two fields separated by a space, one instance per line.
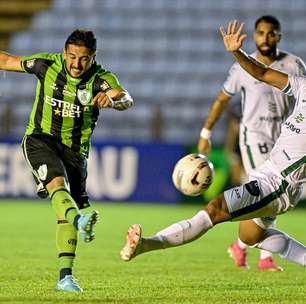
x=269 y=19
x=82 y=38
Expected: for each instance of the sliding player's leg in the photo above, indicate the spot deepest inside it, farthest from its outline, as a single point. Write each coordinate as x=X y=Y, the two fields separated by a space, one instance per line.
x=259 y=198
x=177 y=234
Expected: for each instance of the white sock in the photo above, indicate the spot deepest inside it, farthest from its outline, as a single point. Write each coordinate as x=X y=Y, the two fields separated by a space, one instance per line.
x=265 y=254
x=179 y=233
x=242 y=245
x=287 y=247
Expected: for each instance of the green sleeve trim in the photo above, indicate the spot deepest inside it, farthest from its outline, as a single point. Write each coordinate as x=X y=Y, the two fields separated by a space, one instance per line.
x=294 y=166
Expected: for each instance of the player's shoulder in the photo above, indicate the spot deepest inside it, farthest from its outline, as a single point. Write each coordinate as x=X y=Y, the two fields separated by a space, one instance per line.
x=105 y=78
x=290 y=57
x=235 y=69
x=43 y=56
x=100 y=70
x=103 y=73
x=33 y=63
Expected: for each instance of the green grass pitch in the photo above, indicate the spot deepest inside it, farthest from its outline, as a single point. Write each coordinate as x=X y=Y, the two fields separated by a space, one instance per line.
x=200 y=272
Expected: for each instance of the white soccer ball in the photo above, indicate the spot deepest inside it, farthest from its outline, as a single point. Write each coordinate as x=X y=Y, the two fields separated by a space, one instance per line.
x=192 y=174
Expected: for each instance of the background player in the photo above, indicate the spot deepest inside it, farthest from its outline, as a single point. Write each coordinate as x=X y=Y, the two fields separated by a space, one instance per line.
x=264 y=108
x=70 y=90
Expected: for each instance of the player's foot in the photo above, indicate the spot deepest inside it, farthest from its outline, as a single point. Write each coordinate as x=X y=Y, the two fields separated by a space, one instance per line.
x=268 y=264
x=238 y=255
x=68 y=283
x=133 y=240
x=86 y=224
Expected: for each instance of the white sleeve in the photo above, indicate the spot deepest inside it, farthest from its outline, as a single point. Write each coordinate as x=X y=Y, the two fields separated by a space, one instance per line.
x=232 y=85
x=294 y=85
x=300 y=67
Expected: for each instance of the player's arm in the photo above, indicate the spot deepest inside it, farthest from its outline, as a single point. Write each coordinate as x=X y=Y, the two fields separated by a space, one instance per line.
x=215 y=112
x=233 y=40
x=121 y=99
x=10 y=62
x=117 y=98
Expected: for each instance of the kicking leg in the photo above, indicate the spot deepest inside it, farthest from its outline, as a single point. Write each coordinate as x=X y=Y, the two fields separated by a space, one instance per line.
x=66 y=208
x=177 y=234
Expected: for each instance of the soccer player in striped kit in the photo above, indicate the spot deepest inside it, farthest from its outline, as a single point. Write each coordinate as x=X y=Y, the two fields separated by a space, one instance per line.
x=71 y=89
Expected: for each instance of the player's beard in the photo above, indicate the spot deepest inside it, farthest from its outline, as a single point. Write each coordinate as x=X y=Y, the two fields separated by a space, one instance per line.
x=267 y=52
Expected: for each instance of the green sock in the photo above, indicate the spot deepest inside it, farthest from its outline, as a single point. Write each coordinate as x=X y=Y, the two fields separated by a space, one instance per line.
x=64 y=205
x=66 y=243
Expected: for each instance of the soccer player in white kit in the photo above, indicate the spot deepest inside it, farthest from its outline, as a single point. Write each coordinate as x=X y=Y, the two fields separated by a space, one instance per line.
x=273 y=188
x=263 y=107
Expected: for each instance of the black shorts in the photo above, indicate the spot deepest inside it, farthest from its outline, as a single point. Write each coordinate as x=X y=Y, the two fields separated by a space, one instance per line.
x=49 y=158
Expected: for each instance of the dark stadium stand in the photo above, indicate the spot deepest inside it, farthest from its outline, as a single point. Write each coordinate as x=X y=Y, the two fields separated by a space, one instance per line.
x=15 y=15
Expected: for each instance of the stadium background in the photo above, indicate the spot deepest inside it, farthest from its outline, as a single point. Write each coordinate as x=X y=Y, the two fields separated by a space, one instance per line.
x=167 y=54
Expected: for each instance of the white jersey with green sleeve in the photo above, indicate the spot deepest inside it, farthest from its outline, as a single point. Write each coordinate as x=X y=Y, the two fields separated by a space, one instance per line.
x=288 y=155
x=263 y=108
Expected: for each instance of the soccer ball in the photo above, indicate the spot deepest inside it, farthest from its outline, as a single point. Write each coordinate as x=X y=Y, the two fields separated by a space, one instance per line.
x=192 y=174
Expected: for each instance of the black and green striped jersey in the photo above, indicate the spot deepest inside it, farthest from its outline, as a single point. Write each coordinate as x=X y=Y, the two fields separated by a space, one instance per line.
x=63 y=105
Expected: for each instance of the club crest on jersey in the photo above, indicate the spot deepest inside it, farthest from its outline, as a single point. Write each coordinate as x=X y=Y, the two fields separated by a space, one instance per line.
x=30 y=63
x=42 y=172
x=84 y=97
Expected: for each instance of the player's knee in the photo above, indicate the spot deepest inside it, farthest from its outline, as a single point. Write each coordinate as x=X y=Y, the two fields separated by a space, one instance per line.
x=275 y=241
x=251 y=233
x=217 y=210
x=56 y=182
x=248 y=239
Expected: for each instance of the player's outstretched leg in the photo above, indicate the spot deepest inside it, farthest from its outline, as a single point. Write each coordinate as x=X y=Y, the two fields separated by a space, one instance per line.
x=133 y=242
x=65 y=207
x=238 y=252
x=86 y=224
x=175 y=235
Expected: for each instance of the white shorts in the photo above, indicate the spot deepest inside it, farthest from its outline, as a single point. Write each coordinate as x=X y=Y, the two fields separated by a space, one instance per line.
x=254 y=149
x=263 y=198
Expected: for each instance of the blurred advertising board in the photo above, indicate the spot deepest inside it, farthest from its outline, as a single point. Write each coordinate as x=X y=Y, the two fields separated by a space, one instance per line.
x=138 y=172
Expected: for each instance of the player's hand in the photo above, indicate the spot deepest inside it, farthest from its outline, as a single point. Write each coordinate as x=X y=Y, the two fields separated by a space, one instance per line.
x=204 y=146
x=233 y=38
x=102 y=100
